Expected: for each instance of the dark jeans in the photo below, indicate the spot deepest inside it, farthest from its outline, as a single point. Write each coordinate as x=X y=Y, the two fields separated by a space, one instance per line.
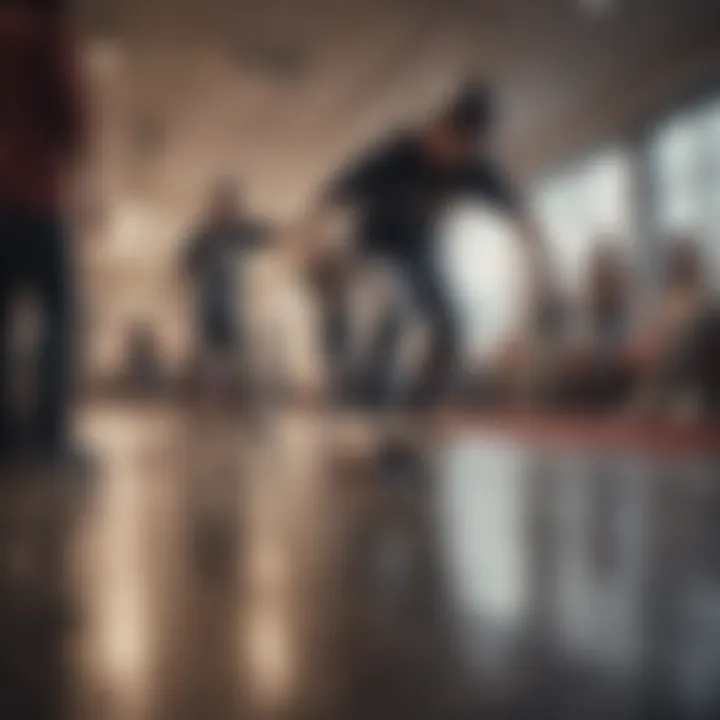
x=217 y=330
x=218 y=325
x=34 y=258
x=421 y=281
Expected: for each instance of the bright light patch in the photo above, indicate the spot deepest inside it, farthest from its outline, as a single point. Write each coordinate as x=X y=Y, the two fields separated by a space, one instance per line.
x=486 y=275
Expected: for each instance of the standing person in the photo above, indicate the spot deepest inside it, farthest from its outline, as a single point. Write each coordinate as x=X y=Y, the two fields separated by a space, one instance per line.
x=212 y=260
x=398 y=192
x=42 y=137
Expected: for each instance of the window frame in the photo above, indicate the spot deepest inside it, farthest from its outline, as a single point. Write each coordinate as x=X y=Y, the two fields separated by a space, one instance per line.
x=636 y=138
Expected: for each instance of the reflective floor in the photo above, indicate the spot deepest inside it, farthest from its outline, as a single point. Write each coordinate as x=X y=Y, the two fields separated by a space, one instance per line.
x=303 y=566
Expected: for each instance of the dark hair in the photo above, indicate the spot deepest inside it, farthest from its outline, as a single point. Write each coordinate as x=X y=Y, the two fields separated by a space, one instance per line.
x=473 y=109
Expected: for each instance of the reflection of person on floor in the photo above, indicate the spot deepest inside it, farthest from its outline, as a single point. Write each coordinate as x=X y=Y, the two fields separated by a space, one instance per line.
x=398 y=193
x=41 y=137
x=213 y=259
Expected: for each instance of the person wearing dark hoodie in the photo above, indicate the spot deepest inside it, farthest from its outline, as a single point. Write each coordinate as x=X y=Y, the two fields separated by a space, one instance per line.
x=43 y=135
x=397 y=193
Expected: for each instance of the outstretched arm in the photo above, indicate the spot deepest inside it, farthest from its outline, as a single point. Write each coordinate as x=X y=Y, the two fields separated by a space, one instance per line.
x=489 y=184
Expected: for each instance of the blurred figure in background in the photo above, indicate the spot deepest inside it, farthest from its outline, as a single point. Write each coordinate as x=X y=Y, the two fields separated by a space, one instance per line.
x=213 y=260
x=600 y=370
x=144 y=370
x=684 y=297
x=678 y=353
x=398 y=193
x=530 y=368
x=42 y=137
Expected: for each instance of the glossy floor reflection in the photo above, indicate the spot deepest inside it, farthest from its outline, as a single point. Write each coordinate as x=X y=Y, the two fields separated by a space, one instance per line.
x=303 y=568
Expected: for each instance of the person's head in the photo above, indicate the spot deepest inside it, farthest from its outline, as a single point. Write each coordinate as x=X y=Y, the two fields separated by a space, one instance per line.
x=459 y=132
x=225 y=201
x=684 y=264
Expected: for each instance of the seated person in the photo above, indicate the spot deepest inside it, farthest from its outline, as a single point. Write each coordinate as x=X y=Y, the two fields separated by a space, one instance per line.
x=527 y=368
x=674 y=353
x=143 y=364
x=599 y=370
x=684 y=297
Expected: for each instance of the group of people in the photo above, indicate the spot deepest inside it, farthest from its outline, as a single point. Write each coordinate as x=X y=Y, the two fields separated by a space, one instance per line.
x=616 y=349
x=379 y=328
x=371 y=235
x=385 y=329
x=373 y=229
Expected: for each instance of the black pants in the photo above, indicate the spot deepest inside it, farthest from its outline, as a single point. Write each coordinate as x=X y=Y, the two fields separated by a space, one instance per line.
x=34 y=259
x=421 y=282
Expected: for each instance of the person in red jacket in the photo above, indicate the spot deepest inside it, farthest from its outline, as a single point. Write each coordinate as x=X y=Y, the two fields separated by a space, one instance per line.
x=42 y=136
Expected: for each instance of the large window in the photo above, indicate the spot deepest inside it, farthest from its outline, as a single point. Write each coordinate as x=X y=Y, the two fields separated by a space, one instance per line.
x=685 y=171
x=580 y=206
x=589 y=202
x=485 y=266
x=486 y=277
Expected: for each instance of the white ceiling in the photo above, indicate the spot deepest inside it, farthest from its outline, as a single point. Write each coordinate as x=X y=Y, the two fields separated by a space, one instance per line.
x=279 y=91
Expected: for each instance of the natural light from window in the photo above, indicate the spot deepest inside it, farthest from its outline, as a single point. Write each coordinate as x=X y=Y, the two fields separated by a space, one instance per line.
x=486 y=275
x=685 y=162
x=589 y=202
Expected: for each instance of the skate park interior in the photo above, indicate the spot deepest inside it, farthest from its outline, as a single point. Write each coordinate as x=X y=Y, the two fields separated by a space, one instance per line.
x=256 y=558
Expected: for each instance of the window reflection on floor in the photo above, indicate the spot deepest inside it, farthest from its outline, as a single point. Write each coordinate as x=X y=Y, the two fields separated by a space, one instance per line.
x=311 y=569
